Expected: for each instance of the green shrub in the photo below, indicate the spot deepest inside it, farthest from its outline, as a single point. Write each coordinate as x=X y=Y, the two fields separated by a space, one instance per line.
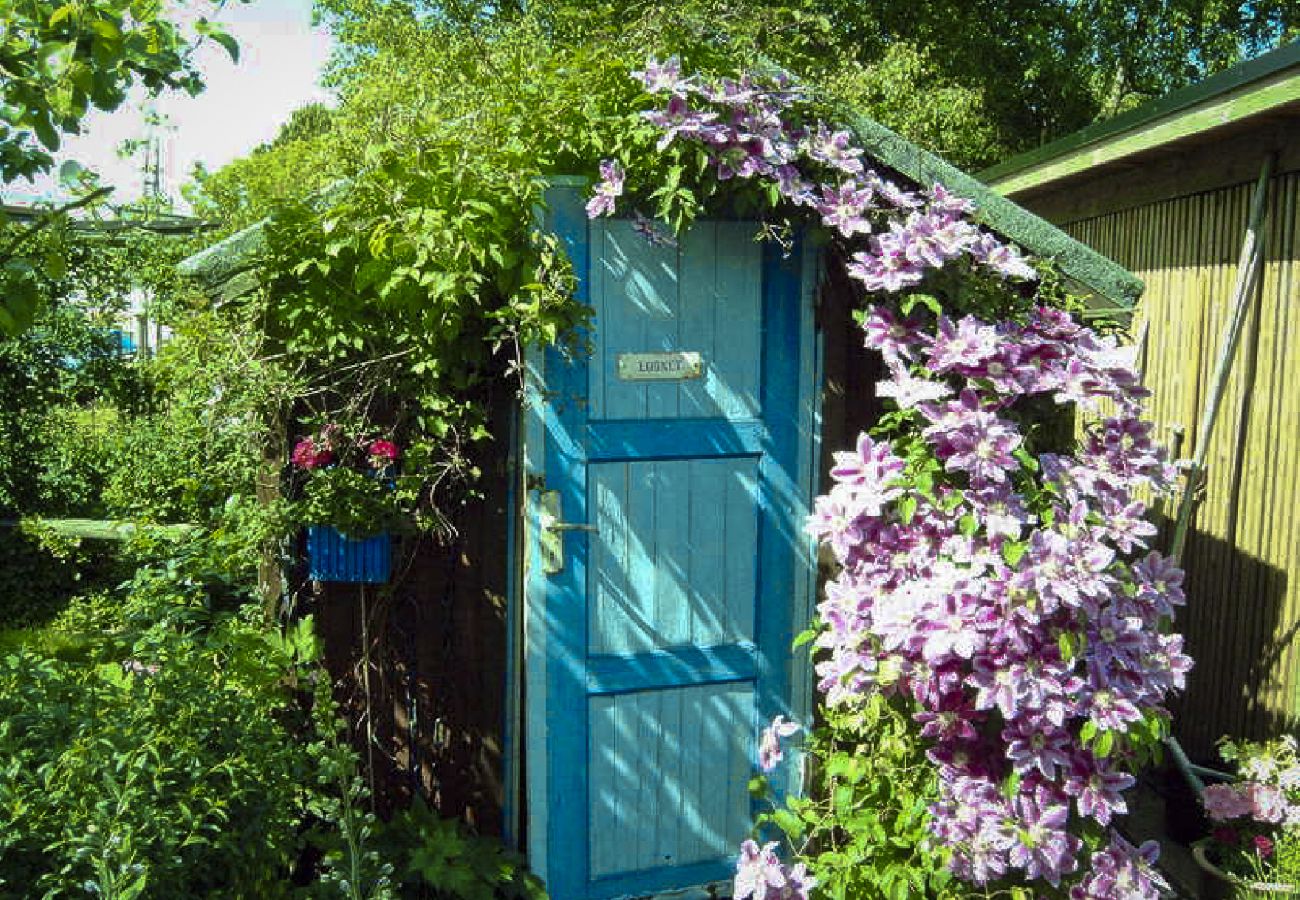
x=40 y=571
x=171 y=762
x=435 y=854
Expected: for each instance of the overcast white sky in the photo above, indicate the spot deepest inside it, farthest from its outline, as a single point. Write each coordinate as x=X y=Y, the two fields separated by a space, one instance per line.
x=281 y=57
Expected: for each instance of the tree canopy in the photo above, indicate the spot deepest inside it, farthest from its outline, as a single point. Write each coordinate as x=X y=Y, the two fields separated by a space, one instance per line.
x=58 y=61
x=62 y=59
x=974 y=82
x=401 y=220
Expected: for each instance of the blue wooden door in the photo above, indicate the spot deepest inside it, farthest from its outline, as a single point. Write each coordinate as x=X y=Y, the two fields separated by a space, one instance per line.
x=669 y=480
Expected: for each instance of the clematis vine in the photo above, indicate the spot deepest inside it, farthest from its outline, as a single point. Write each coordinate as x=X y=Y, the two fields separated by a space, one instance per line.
x=609 y=189
x=760 y=875
x=999 y=586
x=769 y=744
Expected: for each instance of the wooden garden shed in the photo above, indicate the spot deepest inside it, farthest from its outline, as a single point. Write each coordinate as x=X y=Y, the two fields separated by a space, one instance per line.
x=588 y=662
x=1165 y=190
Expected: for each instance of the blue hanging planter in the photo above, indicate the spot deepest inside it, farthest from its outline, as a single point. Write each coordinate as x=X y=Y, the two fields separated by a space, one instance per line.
x=331 y=556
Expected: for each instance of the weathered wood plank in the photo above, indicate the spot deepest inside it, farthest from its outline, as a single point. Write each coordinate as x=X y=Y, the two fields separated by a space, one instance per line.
x=1180 y=171
x=107 y=530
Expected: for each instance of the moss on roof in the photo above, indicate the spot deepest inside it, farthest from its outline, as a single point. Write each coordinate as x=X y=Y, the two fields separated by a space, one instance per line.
x=1077 y=261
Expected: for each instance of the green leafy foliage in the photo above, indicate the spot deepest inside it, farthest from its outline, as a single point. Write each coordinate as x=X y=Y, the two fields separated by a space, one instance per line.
x=356 y=503
x=160 y=763
x=863 y=829
x=439 y=854
x=43 y=570
x=61 y=60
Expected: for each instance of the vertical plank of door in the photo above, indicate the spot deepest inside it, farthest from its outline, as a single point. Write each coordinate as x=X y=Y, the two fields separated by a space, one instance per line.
x=637 y=633
x=658 y=267
x=742 y=721
x=716 y=726
x=780 y=533
x=641 y=847
x=603 y=816
x=740 y=514
x=609 y=599
x=623 y=305
x=738 y=354
x=602 y=364
x=559 y=838
x=672 y=764
x=698 y=316
x=672 y=552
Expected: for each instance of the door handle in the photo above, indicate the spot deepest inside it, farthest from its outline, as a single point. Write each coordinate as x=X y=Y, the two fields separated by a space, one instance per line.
x=550 y=524
x=551 y=538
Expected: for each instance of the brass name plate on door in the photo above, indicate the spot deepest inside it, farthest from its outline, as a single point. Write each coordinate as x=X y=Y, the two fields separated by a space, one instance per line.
x=677 y=365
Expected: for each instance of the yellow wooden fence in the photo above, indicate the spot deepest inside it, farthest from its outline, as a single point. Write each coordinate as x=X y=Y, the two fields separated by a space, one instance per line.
x=1242 y=620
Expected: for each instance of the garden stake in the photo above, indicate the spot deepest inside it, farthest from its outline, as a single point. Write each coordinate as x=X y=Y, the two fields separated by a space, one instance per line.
x=1140 y=355
x=1242 y=293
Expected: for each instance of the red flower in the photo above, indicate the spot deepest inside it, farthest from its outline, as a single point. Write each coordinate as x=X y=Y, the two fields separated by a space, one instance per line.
x=382 y=453
x=1263 y=846
x=307 y=455
x=1225 y=836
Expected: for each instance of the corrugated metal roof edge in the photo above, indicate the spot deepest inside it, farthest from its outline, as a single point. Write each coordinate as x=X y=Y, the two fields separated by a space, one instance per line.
x=1238 y=76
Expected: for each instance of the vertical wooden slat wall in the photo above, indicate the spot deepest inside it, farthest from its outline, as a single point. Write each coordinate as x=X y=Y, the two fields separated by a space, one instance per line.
x=1243 y=555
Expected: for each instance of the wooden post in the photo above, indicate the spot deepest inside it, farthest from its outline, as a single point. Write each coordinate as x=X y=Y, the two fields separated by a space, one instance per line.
x=141 y=336
x=1140 y=356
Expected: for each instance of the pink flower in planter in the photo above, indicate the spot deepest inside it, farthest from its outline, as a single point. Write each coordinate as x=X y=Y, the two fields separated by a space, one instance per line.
x=382 y=453
x=307 y=454
x=1225 y=801
x=1263 y=846
x=1267 y=802
x=1225 y=835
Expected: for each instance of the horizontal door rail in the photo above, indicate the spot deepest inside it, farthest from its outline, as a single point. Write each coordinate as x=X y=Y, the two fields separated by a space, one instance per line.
x=642 y=439
x=674 y=667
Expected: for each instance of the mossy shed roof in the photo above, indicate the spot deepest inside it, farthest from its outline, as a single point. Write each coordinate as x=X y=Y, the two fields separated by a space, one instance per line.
x=1109 y=282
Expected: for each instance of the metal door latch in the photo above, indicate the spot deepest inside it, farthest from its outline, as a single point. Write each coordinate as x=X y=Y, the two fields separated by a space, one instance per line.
x=551 y=538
